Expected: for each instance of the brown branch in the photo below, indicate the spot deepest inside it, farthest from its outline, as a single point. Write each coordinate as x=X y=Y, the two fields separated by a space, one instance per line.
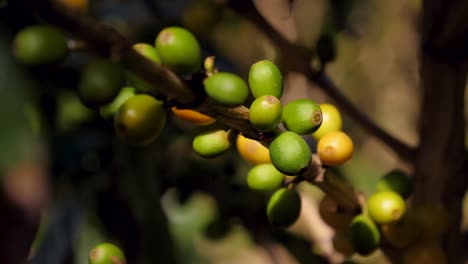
x=297 y=58
x=108 y=42
x=238 y=118
x=439 y=174
x=403 y=150
x=440 y=168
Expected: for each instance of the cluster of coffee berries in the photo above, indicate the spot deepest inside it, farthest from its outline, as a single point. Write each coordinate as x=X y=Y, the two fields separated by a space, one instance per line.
x=288 y=154
x=386 y=220
x=139 y=116
x=120 y=95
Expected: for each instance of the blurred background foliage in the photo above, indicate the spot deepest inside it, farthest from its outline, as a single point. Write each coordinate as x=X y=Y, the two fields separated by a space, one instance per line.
x=156 y=202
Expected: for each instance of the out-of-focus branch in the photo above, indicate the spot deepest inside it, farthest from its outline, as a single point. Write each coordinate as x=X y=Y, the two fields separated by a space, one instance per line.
x=297 y=58
x=440 y=168
x=404 y=151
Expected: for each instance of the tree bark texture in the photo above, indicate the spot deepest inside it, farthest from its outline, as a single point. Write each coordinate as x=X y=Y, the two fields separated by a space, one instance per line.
x=440 y=166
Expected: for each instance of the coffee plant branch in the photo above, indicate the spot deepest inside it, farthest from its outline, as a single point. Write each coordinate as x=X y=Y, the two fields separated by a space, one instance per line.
x=297 y=58
x=107 y=42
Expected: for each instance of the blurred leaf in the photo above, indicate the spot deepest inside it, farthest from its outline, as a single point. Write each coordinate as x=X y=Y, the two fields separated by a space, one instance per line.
x=237 y=246
x=188 y=220
x=362 y=176
x=16 y=136
x=71 y=112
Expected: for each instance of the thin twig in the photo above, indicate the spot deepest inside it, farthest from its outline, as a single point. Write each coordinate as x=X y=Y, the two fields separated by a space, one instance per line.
x=403 y=150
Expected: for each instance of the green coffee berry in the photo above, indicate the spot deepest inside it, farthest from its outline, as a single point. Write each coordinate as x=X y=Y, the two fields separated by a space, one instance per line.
x=106 y=253
x=397 y=181
x=179 y=50
x=290 y=154
x=265 y=113
x=147 y=51
x=40 y=44
x=226 y=88
x=284 y=207
x=211 y=144
x=364 y=235
x=386 y=207
x=140 y=119
x=108 y=111
x=302 y=116
x=265 y=79
x=150 y=53
x=100 y=82
x=264 y=177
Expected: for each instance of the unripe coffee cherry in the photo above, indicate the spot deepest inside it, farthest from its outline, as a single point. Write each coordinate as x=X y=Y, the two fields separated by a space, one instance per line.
x=335 y=148
x=179 y=50
x=302 y=116
x=252 y=151
x=211 y=144
x=140 y=119
x=264 y=177
x=284 y=207
x=386 y=207
x=106 y=253
x=265 y=113
x=150 y=53
x=108 y=111
x=364 y=235
x=147 y=51
x=100 y=83
x=193 y=116
x=226 y=88
x=265 y=79
x=40 y=44
x=331 y=121
x=290 y=154
x=397 y=181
